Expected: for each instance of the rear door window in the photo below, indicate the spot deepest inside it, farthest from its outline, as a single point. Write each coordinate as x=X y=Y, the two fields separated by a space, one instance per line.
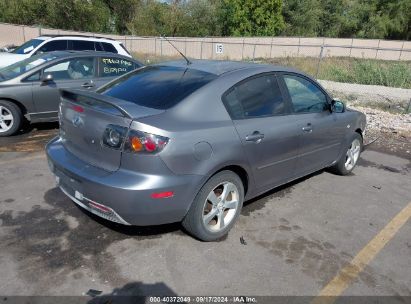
x=256 y=97
x=56 y=45
x=158 y=87
x=81 y=45
x=114 y=67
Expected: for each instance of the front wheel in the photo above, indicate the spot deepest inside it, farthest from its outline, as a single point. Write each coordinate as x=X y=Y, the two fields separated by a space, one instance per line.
x=350 y=158
x=216 y=207
x=10 y=118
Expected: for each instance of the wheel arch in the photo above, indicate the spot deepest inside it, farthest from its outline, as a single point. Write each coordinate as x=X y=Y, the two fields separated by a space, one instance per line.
x=240 y=171
x=22 y=108
x=359 y=131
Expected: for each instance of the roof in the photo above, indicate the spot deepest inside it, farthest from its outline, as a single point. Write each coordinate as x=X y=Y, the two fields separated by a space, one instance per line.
x=43 y=36
x=219 y=67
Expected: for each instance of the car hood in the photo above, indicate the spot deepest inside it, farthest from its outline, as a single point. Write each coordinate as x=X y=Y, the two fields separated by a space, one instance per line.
x=8 y=58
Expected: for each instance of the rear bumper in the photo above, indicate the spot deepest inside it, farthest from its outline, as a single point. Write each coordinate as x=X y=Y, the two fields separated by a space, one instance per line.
x=126 y=193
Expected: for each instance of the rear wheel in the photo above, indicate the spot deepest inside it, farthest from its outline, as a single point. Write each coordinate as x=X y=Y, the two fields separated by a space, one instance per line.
x=10 y=118
x=350 y=158
x=216 y=207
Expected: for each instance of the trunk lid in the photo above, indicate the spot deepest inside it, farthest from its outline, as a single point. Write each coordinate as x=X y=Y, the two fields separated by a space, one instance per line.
x=84 y=116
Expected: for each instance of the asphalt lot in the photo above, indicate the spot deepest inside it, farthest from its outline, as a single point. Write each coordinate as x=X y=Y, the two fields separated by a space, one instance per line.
x=298 y=237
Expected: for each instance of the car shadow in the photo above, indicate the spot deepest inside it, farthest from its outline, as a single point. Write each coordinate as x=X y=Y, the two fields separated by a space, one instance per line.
x=135 y=292
x=30 y=138
x=260 y=201
x=142 y=231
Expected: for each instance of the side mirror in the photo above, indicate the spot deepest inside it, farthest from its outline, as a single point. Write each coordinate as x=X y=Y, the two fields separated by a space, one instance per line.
x=46 y=78
x=337 y=106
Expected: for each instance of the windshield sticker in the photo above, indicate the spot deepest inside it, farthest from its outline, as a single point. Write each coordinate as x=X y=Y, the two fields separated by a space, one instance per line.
x=116 y=66
x=26 y=50
x=116 y=61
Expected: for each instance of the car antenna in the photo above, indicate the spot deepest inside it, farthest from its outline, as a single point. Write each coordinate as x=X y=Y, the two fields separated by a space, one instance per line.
x=184 y=56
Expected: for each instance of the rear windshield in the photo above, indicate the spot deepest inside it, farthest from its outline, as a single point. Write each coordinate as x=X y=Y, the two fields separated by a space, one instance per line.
x=158 y=87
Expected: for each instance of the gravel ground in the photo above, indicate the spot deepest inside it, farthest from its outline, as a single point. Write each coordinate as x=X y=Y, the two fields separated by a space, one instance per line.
x=385 y=108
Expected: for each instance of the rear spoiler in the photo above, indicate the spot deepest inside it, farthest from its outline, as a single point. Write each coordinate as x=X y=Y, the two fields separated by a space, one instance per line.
x=106 y=103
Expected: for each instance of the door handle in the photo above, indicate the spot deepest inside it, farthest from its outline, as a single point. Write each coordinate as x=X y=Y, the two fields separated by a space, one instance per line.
x=308 y=128
x=87 y=85
x=255 y=137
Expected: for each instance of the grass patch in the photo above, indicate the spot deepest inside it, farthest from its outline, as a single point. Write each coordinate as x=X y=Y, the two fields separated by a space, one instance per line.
x=353 y=70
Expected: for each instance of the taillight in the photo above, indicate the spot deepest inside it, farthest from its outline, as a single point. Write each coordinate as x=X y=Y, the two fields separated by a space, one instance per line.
x=142 y=142
x=78 y=109
x=114 y=136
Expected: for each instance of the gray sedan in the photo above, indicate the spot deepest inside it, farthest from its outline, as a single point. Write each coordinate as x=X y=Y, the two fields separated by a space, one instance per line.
x=177 y=142
x=29 y=89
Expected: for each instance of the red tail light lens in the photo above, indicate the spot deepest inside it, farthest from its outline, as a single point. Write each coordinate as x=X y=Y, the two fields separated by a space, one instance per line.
x=142 y=142
x=78 y=109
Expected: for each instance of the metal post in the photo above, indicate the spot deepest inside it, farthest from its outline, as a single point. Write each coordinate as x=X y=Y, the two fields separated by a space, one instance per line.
x=201 y=49
x=132 y=41
x=161 y=47
x=24 y=34
x=212 y=48
x=376 y=53
x=185 y=46
x=352 y=43
x=319 y=61
x=155 y=46
x=271 y=48
x=409 y=107
x=39 y=30
x=402 y=47
x=254 y=52
x=299 y=43
x=242 y=51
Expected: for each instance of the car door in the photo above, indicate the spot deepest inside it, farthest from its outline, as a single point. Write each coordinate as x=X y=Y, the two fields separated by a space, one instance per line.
x=75 y=73
x=270 y=139
x=321 y=131
x=111 y=67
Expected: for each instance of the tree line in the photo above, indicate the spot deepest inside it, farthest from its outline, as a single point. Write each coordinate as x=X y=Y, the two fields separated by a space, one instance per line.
x=385 y=19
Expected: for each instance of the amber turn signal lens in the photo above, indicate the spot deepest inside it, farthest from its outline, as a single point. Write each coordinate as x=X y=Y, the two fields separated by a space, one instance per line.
x=136 y=144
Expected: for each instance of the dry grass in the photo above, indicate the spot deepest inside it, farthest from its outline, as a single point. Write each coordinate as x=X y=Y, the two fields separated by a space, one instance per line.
x=353 y=70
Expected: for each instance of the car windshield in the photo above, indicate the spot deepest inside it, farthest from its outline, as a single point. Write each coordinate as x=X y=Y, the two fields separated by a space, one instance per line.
x=158 y=87
x=24 y=66
x=28 y=46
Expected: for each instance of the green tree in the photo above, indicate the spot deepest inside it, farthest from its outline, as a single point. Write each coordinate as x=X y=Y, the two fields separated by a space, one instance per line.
x=252 y=17
x=300 y=21
x=68 y=14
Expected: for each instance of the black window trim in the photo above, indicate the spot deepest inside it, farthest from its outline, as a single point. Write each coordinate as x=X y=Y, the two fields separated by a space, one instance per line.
x=287 y=105
x=288 y=96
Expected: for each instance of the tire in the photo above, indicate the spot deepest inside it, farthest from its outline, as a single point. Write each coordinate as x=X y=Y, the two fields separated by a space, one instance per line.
x=212 y=216
x=344 y=166
x=14 y=118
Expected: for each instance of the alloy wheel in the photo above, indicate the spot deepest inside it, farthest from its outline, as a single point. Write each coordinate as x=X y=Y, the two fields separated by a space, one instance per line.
x=352 y=154
x=220 y=206
x=6 y=119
